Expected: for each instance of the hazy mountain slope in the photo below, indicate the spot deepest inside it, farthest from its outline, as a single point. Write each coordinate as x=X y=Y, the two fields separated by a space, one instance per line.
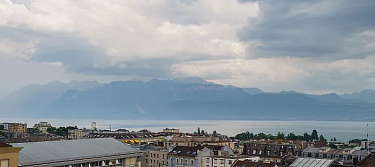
x=366 y=95
x=183 y=99
x=37 y=97
x=252 y=91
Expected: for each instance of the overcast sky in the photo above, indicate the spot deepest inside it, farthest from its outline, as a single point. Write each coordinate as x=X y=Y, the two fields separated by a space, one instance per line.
x=309 y=46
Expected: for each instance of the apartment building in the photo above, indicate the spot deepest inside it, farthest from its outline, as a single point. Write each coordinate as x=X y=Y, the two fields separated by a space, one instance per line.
x=15 y=127
x=274 y=151
x=347 y=155
x=192 y=141
x=184 y=156
x=157 y=158
x=171 y=130
x=42 y=126
x=78 y=153
x=75 y=134
x=215 y=156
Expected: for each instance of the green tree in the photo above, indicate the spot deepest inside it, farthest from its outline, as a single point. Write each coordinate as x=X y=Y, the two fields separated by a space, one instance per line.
x=334 y=139
x=321 y=138
x=314 y=135
x=306 y=137
x=2 y=127
x=280 y=136
x=199 y=131
x=291 y=136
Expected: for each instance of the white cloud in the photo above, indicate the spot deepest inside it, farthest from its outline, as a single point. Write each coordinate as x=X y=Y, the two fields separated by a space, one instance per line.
x=133 y=29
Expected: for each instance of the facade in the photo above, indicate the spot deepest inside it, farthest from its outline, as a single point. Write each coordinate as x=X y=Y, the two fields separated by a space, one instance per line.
x=8 y=155
x=42 y=126
x=215 y=156
x=75 y=134
x=157 y=158
x=348 y=155
x=15 y=127
x=192 y=141
x=93 y=126
x=273 y=152
x=184 y=156
x=168 y=130
x=78 y=153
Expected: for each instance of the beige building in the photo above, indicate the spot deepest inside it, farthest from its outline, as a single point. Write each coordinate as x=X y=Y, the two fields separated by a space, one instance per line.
x=192 y=141
x=157 y=158
x=169 y=130
x=15 y=127
x=8 y=155
x=75 y=134
x=42 y=126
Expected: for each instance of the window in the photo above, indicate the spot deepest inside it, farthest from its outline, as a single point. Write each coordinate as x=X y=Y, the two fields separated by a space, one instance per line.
x=186 y=161
x=192 y=162
x=4 y=163
x=230 y=162
x=207 y=160
x=254 y=151
x=177 y=160
x=157 y=155
x=260 y=152
x=215 y=161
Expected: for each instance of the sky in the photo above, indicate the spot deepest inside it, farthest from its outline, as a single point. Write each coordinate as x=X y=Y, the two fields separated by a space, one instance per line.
x=307 y=46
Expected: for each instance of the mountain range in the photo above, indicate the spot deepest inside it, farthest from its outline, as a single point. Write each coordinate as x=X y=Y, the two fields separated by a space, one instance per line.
x=180 y=99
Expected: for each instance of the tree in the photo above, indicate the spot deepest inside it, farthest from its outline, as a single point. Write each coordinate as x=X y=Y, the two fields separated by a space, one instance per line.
x=291 y=136
x=321 y=138
x=2 y=127
x=314 y=135
x=280 y=136
x=199 y=131
x=334 y=139
x=306 y=137
x=331 y=139
x=214 y=133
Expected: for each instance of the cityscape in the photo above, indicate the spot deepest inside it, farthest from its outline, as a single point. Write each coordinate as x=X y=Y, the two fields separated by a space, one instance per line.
x=42 y=144
x=187 y=83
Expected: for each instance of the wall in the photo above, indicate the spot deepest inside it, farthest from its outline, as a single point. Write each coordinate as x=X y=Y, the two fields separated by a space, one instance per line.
x=11 y=154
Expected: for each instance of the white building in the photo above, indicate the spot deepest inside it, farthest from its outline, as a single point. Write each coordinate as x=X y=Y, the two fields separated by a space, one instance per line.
x=42 y=126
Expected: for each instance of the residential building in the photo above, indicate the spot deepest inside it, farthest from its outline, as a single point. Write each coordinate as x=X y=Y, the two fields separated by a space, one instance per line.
x=78 y=153
x=250 y=163
x=348 y=155
x=15 y=127
x=171 y=130
x=157 y=158
x=274 y=151
x=130 y=138
x=93 y=126
x=42 y=126
x=215 y=156
x=8 y=155
x=192 y=141
x=75 y=134
x=184 y=156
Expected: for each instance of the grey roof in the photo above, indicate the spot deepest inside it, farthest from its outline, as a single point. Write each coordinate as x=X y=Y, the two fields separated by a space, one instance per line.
x=309 y=162
x=59 y=151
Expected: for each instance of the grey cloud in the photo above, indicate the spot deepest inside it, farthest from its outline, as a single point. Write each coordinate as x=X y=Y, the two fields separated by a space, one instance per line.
x=329 y=32
x=79 y=56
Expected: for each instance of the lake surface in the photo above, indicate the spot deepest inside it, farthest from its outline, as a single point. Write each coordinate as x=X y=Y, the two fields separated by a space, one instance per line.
x=329 y=129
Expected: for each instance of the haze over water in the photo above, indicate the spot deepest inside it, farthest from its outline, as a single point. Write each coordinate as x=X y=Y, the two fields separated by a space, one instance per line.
x=329 y=129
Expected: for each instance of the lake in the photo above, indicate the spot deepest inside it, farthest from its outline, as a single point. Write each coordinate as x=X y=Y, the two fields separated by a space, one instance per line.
x=329 y=129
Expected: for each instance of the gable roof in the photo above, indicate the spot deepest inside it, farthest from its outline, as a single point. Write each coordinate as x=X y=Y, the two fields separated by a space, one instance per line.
x=186 y=151
x=67 y=150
